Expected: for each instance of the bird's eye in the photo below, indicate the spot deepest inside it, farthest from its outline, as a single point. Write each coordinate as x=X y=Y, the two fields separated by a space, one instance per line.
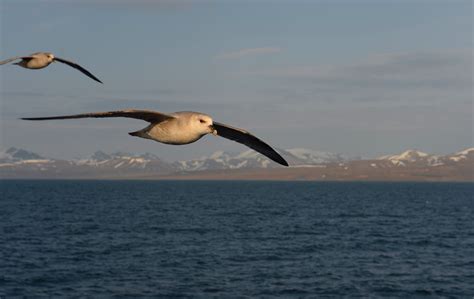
x=202 y=121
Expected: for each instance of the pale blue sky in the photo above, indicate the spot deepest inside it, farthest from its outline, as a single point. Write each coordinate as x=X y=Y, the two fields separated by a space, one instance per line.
x=356 y=77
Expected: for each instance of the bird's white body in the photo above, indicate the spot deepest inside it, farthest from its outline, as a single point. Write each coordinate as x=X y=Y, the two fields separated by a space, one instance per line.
x=184 y=128
x=38 y=61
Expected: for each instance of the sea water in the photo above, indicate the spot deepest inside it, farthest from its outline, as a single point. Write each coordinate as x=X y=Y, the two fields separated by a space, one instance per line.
x=236 y=239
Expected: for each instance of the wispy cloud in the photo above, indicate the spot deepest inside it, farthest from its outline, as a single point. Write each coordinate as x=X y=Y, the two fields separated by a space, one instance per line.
x=248 y=52
x=412 y=76
x=406 y=64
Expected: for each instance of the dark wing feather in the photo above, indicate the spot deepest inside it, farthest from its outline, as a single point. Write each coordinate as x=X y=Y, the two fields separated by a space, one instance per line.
x=14 y=58
x=78 y=67
x=249 y=140
x=146 y=115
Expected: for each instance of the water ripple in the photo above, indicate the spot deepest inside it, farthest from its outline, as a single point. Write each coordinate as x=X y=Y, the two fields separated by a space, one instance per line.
x=235 y=239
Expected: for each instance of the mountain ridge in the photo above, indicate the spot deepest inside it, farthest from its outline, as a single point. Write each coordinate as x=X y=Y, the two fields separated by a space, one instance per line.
x=21 y=163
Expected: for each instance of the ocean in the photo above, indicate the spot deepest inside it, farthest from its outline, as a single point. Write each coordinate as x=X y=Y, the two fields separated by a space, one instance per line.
x=201 y=239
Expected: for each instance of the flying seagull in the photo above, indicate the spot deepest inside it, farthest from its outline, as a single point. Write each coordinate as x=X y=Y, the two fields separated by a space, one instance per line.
x=41 y=60
x=179 y=128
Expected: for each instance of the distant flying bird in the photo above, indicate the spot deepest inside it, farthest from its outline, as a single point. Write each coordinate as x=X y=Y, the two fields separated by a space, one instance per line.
x=181 y=128
x=41 y=60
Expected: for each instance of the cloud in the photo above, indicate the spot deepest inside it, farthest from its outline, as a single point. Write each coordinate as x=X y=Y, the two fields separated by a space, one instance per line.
x=428 y=76
x=248 y=52
x=408 y=65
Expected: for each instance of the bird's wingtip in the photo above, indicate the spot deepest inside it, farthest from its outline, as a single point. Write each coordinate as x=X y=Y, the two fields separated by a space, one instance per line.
x=280 y=160
x=32 y=118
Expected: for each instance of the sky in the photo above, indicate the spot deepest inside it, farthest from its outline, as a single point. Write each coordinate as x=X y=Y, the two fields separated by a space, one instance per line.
x=363 y=78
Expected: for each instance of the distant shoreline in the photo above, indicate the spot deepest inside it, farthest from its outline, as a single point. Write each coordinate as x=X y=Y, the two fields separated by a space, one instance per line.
x=276 y=174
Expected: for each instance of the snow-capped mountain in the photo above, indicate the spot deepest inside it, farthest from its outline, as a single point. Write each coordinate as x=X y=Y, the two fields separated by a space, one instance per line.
x=19 y=163
x=122 y=161
x=19 y=158
x=252 y=159
x=420 y=158
x=307 y=156
x=408 y=156
x=224 y=160
x=411 y=156
x=149 y=163
x=467 y=154
x=14 y=154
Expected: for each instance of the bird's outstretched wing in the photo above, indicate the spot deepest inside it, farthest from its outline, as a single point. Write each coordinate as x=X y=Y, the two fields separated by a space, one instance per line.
x=244 y=137
x=78 y=67
x=146 y=115
x=14 y=58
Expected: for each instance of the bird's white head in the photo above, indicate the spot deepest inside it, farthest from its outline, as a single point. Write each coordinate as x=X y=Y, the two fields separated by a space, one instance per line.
x=50 y=57
x=204 y=123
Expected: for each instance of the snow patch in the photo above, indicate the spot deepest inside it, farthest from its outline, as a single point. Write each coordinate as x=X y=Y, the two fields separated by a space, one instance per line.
x=466 y=151
x=119 y=164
